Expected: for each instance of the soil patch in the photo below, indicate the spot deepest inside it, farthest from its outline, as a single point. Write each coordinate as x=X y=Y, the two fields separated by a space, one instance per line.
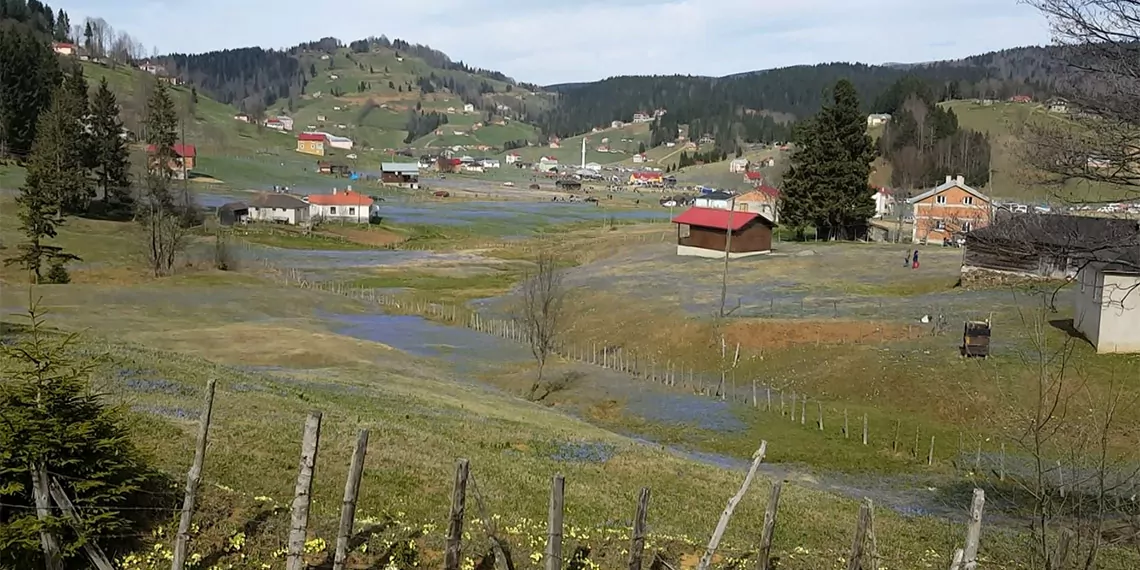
x=367 y=237
x=782 y=333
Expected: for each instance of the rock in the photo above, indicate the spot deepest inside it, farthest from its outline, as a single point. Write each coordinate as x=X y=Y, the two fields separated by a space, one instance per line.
x=805 y=253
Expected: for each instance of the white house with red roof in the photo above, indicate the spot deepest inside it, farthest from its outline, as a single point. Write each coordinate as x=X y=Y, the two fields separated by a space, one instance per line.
x=513 y=157
x=64 y=48
x=884 y=203
x=341 y=205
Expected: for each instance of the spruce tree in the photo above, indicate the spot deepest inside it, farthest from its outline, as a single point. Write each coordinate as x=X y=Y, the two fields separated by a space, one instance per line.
x=62 y=27
x=25 y=94
x=53 y=169
x=112 y=162
x=161 y=125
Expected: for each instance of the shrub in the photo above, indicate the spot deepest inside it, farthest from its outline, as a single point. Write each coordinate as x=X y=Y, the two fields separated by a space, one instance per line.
x=57 y=274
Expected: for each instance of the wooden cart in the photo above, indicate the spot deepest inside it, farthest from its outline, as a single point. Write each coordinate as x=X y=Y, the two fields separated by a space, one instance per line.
x=976 y=339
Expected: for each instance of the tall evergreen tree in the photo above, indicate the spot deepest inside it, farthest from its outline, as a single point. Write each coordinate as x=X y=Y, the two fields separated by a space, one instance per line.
x=62 y=27
x=827 y=185
x=161 y=125
x=53 y=169
x=88 y=38
x=25 y=94
x=75 y=142
x=111 y=157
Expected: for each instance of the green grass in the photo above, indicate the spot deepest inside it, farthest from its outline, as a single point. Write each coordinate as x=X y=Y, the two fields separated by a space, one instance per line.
x=11 y=177
x=445 y=288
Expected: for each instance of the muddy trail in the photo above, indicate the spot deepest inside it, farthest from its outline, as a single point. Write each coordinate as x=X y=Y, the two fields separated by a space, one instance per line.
x=472 y=355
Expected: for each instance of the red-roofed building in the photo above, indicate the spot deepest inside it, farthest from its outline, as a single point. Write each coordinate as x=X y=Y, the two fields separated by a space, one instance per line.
x=753 y=177
x=646 y=178
x=764 y=200
x=63 y=48
x=341 y=205
x=1021 y=99
x=184 y=158
x=311 y=143
x=444 y=164
x=704 y=232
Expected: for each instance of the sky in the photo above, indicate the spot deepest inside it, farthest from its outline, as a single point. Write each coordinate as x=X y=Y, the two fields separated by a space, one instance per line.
x=557 y=41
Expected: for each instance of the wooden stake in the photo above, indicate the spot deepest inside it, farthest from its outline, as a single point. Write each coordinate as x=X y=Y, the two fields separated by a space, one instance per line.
x=855 y=559
x=846 y=426
x=303 y=493
x=732 y=502
x=793 y=407
x=193 y=478
x=455 y=525
x=974 y=531
x=348 y=506
x=765 y=556
x=41 y=494
x=93 y=551
x=803 y=411
x=866 y=432
x=871 y=535
x=637 y=540
x=930 y=455
x=1061 y=554
x=554 y=524
x=819 y=412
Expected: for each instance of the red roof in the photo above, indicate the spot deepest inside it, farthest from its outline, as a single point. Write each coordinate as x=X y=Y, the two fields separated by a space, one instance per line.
x=181 y=150
x=753 y=175
x=646 y=175
x=769 y=190
x=311 y=137
x=715 y=218
x=345 y=198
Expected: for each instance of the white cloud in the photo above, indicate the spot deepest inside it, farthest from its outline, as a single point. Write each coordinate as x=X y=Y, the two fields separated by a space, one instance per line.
x=563 y=40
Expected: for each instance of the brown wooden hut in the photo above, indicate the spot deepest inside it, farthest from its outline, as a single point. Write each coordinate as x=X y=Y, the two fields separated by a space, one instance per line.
x=703 y=232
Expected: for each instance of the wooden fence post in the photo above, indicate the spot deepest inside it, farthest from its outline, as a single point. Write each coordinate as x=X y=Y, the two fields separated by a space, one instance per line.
x=1061 y=554
x=637 y=539
x=793 y=407
x=554 y=524
x=803 y=410
x=41 y=494
x=874 y=554
x=819 y=412
x=765 y=554
x=866 y=431
x=846 y=426
x=722 y=524
x=303 y=492
x=1001 y=465
x=895 y=442
x=855 y=559
x=348 y=506
x=768 y=407
x=974 y=531
x=455 y=524
x=93 y=551
x=193 y=478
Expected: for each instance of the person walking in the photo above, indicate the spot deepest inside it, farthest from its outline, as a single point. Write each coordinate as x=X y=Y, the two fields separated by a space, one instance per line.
x=907 y=259
x=914 y=265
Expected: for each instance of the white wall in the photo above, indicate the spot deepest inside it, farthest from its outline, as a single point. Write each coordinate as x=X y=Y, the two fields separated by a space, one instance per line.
x=692 y=251
x=1120 y=313
x=715 y=204
x=291 y=215
x=1086 y=317
x=357 y=214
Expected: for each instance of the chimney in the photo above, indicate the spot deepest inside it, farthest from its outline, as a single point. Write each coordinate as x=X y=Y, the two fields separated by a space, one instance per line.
x=334 y=190
x=948 y=178
x=961 y=180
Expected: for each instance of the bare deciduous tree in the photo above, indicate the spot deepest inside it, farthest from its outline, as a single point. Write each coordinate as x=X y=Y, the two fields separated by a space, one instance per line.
x=1099 y=41
x=166 y=237
x=540 y=315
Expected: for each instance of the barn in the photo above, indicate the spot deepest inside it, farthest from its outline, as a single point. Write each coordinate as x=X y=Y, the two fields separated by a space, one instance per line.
x=704 y=232
x=1041 y=246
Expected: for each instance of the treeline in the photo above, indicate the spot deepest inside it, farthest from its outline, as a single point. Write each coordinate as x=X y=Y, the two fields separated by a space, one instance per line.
x=790 y=93
x=923 y=142
x=421 y=123
x=430 y=56
x=37 y=17
x=249 y=78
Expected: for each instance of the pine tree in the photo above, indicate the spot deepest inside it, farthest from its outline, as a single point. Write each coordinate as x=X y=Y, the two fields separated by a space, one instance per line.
x=26 y=94
x=53 y=168
x=55 y=423
x=89 y=38
x=161 y=125
x=112 y=163
x=76 y=151
x=62 y=27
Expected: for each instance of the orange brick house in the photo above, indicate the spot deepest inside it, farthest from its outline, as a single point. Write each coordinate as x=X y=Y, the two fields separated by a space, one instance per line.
x=183 y=161
x=950 y=208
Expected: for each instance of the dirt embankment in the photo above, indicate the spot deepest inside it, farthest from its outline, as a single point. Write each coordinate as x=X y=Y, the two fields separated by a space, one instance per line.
x=782 y=333
x=373 y=237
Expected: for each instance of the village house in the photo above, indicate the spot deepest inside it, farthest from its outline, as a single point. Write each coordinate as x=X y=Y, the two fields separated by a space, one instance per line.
x=335 y=169
x=513 y=157
x=642 y=118
x=647 y=178
x=400 y=174
x=448 y=165
x=336 y=141
x=878 y=119
x=716 y=200
x=739 y=165
x=616 y=124
x=592 y=166
x=311 y=143
x=152 y=69
x=1107 y=304
x=241 y=117
x=1021 y=99
x=555 y=142
x=1058 y=105
x=64 y=48
x=764 y=200
x=753 y=177
x=341 y=205
x=704 y=232
x=490 y=163
x=278 y=208
x=884 y=203
x=468 y=108
x=1042 y=246
x=546 y=164
x=232 y=213
x=947 y=210
x=639 y=158
x=181 y=163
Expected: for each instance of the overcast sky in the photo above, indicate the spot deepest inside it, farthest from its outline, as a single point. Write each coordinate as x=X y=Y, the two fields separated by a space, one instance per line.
x=582 y=40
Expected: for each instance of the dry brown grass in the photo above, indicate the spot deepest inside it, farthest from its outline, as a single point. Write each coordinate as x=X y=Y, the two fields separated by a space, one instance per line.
x=760 y=334
x=371 y=237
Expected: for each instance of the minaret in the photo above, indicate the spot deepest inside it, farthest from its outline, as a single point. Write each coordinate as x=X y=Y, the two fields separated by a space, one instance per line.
x=583 y=152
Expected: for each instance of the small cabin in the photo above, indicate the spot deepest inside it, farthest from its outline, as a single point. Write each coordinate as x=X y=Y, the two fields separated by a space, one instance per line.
x=709 y=232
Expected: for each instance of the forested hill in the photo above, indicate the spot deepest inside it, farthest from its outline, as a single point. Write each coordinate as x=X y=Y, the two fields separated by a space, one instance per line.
x=793 y=92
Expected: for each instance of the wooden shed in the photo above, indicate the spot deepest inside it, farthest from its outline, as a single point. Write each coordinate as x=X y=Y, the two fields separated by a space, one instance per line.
x=233 y=213
x=704 y=232
x=976 y=339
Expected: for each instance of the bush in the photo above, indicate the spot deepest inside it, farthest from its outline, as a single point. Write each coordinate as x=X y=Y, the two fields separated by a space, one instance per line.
x=57 y=274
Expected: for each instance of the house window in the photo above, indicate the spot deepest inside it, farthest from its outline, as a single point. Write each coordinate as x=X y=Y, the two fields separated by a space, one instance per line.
x=967 y=226
x=968 y=200
x=939 y=226
x=940 y=200
x=332 y=210
x=684 y=230
x=352 y=211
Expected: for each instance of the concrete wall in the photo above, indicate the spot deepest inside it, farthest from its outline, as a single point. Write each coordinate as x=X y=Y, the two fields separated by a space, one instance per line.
x=293 y=216
x=357 y=214
x=1120 y=313
x=690 y=251
x=1086 y=316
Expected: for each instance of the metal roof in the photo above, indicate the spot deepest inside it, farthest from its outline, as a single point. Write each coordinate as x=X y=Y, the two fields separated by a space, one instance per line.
x=716 y=218
x=400 y=167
